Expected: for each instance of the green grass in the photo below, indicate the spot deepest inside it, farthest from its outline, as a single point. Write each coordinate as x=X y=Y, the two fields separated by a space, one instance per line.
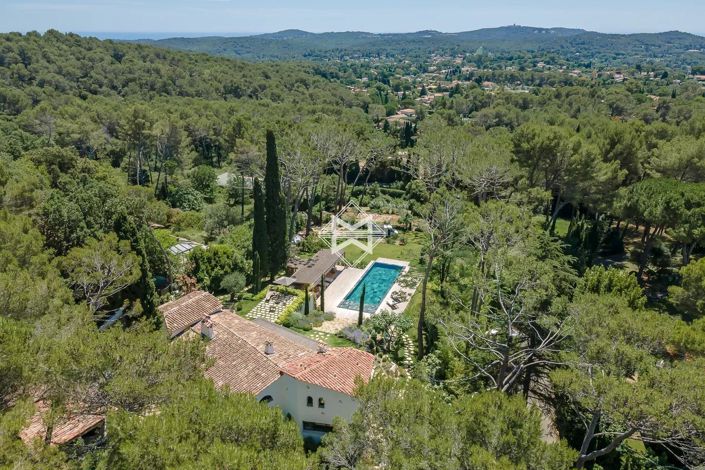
x=165 y=237
x=408 y=252
x=246 y=306
x=331 y=340
x=562 y=227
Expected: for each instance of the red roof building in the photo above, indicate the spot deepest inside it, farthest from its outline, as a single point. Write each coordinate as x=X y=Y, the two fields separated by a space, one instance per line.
x=310 y=382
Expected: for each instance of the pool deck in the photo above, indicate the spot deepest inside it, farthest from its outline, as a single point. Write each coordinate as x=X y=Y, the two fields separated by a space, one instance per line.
x=346 y=281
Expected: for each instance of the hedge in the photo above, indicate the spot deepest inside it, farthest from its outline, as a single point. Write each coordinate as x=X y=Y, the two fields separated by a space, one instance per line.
x=284 y=318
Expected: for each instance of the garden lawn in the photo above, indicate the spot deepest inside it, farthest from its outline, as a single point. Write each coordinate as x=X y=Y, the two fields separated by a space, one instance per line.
x=410 y=251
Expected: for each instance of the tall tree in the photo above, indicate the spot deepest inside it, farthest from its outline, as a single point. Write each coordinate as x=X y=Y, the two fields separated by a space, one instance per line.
x=275 y=210
x=102 y=268
x=658 y=204
x=625 y=377
x=323 y=291
x=442 y=222
x=260 y=238
x=361 y=307
x=143 y=289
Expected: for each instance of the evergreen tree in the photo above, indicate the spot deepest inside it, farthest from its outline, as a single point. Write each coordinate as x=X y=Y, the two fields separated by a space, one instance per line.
x=260 y=239
x=362 y=305
x=275 y=210
x=307 y=307
x=256 y=273
x=143 y=289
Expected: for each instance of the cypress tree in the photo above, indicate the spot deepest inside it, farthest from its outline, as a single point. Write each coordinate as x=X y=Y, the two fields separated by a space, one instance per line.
x=275 y=210
x=306 y=301
x=260 y=239
x=143 y=289
x=242 y=198
x=323 y=299
x=362 y=305
x=256 y=273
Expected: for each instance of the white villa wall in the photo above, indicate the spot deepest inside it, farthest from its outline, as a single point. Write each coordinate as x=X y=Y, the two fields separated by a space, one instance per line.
x=290 y=396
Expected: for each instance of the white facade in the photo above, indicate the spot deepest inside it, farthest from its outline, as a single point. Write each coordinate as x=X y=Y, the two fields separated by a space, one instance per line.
x=292 y=397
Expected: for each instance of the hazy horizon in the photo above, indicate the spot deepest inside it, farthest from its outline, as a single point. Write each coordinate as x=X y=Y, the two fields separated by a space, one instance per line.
x=157 y=35
x=166 y=18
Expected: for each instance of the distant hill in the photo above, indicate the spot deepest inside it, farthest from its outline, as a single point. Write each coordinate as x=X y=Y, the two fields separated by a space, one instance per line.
x=674 y=47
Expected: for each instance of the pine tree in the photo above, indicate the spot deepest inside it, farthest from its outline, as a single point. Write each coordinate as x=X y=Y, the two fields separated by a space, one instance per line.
x=362 y=305
x=260 y=239
x=274 y=210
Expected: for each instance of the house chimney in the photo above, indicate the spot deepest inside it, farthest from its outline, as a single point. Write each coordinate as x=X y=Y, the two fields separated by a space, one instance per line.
x=207 y=327
x=268 y=348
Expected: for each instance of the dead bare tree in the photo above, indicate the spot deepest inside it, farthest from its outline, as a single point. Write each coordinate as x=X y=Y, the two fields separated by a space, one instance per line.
x=508 y=337
x=301 y=170
x=339 y=149
x=442 y=222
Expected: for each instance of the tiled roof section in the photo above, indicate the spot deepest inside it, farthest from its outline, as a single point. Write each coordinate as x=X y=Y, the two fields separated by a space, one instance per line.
x=186 y=311
x=65 y=431
x=237 y=348
x=238 y=365
x=337 y=369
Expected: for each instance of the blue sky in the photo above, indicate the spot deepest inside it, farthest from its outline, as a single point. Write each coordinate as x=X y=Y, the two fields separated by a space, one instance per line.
x=236 y=16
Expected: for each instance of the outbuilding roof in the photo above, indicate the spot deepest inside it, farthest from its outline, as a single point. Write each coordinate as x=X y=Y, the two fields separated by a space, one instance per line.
x=310 y=272
x=68 y=429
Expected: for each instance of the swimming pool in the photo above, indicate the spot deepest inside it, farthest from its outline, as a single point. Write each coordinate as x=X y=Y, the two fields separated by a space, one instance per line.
x=379 y=279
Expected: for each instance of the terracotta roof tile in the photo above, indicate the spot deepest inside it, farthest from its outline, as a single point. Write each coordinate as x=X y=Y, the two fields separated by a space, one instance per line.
x=238 y=346
x=186 y=311
x=336 y=369
x=65 y=431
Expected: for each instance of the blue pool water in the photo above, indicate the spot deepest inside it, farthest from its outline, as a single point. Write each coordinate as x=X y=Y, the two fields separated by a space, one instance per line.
x=378 y=279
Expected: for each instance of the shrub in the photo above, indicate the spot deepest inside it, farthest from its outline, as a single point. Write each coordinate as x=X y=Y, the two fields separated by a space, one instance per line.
x=307 y=322
x=600 y=280
x=355 y=335
x=311 y=245
x=285 y=318
x=185 y=198
x=187 y=220
x=210 y=266
x=386 y=329
x=218 y=219
x=233 y=283
x=203 y=179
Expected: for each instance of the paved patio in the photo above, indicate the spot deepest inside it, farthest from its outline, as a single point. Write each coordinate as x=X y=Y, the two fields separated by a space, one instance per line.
x=271 y=306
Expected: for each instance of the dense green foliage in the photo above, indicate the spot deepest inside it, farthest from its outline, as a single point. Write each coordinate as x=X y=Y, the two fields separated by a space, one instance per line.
x=404 y=425
x=553 y=221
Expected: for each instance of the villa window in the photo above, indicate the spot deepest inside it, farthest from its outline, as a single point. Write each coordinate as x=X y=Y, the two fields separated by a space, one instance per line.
x=266 y=399
x=309 y=401
x=321 y=403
